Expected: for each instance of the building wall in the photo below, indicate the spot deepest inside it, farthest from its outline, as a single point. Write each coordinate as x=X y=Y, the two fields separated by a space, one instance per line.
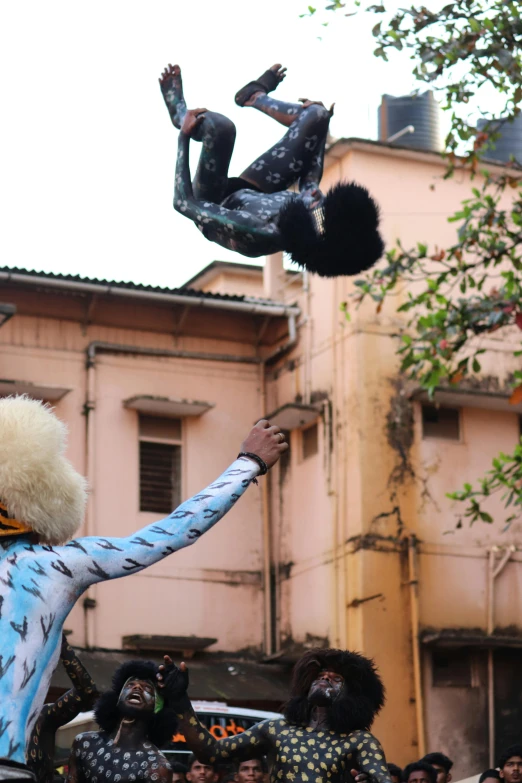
x=348 y=512
x=340 y=520
x=213 y=589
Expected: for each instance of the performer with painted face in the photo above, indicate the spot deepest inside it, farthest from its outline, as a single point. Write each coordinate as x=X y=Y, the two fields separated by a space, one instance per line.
x=325 y=732
x=134 y=719
x=42 y=505
x=255 y=214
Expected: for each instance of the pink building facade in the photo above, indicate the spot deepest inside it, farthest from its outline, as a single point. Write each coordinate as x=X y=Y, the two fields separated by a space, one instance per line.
x=158 y=388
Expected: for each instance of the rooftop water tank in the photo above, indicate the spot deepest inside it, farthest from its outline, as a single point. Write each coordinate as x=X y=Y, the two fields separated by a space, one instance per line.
x=509 y=142
x=422 y=112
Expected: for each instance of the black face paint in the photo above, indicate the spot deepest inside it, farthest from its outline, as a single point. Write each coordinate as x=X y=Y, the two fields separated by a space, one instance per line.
x=139 y=695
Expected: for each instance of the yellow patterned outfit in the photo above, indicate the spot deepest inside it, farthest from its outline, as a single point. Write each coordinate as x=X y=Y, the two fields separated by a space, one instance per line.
x=295 y=753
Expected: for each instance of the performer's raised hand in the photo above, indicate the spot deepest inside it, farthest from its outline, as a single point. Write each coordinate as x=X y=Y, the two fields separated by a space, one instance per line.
x=192 y=119
x=266 y=441
x=173 y=680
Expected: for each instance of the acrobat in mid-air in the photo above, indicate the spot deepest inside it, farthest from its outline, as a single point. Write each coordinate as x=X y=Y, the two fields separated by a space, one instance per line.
x=255 y=214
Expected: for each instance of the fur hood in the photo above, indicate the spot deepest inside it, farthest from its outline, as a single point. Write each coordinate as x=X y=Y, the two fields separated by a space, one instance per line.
x=38 y=484
x=351 y=242
x=363 y=695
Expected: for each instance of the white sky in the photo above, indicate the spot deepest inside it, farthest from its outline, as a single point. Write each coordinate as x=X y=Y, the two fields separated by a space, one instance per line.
x=87 y=150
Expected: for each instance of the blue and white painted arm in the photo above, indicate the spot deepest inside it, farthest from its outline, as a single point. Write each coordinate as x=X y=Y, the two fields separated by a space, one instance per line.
x=94 y=559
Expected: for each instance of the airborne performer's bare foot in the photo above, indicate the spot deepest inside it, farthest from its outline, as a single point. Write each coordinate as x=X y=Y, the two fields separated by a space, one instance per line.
x=255 y=214
x=262 y=86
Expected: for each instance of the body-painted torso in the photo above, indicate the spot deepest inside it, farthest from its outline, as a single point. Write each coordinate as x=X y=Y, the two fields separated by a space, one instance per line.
x=99 y=760
x=40 y=585
x=245 y=222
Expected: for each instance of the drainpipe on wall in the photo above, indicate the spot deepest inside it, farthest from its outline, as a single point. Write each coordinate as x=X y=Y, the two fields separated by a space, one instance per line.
x=267 y=541
x=417 y=675
x=308 y=344
x=269 y=599
x=492 y=575
x=89 y=600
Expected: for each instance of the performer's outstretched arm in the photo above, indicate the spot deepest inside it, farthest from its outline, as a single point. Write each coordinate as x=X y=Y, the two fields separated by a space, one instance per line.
x=84 y=691
x=371 y=761
x=80 y=698
x=84 y=561
x=251 y=743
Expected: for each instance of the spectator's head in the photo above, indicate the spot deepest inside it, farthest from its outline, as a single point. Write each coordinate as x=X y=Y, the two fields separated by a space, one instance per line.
x=179 y=772
x=419 y=772
x=199 y=772
x=252 y=771
x=510 y=764
x=395 y=773
x=442 y=764
x=490 y=776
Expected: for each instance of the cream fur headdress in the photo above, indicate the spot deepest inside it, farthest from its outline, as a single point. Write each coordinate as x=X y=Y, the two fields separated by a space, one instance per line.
x=38 y=485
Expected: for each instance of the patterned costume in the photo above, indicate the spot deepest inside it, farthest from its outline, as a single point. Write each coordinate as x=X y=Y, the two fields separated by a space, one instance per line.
x=108 y=756
x=303 y=746
x=295 y=753
x=256 y=214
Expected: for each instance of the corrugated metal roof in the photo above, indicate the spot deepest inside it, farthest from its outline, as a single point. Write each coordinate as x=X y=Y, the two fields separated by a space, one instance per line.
x=212 y=677
x=116 y=284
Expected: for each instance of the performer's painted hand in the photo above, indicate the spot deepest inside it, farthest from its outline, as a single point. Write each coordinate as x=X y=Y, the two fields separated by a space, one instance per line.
x=192 y=119
x=268 y=442
x=173 y=681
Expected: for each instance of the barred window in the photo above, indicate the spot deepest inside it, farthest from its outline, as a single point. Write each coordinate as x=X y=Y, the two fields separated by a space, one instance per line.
x=160 y=464
x=439 y=422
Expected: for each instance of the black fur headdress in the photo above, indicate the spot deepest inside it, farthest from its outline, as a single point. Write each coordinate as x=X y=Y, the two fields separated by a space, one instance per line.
x=350 y=243
x=363 y=695
x=161 y=726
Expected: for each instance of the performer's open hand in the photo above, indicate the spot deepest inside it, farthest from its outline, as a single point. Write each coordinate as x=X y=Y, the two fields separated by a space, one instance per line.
x=268 y=442
x=192 y=119
x=173 y=680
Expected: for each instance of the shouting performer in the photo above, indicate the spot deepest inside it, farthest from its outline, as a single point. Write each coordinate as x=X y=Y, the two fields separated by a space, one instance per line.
x=43 y=503
x=81 y=698
x=325 y=732
x=255 y=214
x=134 y=720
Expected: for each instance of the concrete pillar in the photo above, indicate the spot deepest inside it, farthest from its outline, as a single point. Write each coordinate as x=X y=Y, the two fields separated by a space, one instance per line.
x=274 y=277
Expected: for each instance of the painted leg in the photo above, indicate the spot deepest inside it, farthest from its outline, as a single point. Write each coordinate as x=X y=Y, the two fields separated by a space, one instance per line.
x=281 y=111
x=297 y=153
x=217 y=134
